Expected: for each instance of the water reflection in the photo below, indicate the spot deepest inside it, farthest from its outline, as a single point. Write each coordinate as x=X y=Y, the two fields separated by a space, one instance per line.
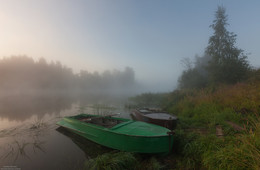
x=18 y=148
x=90 y=148
x=23 y=142
x=28 y=135
x=38 y=146
x=22 y=107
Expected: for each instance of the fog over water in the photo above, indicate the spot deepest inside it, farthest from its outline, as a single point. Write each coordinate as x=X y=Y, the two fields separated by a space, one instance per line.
x=26 y=76
x=32 y=102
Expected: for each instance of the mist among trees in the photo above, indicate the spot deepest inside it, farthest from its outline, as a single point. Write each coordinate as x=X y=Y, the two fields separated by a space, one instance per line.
x=222 y=61
x=23 y=75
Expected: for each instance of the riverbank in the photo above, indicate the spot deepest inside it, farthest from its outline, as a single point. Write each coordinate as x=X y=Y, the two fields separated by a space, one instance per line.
x=219 y=128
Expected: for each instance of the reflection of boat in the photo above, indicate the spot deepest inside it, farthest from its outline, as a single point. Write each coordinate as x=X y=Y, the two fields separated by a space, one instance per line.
x=155 y=117
x=121 y=134
x=90 y=148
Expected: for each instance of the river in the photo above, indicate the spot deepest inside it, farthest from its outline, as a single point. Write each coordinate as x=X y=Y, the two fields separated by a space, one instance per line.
x=30 y=138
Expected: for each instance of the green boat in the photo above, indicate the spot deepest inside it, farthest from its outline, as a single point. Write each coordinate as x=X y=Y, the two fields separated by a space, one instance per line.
x=121 y=134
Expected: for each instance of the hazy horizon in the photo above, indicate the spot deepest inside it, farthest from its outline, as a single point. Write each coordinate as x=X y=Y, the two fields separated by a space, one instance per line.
x=151 y=37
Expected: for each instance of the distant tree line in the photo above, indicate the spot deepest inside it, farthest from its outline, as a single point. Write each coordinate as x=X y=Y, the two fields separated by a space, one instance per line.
x=23 y=74
x=222 y=61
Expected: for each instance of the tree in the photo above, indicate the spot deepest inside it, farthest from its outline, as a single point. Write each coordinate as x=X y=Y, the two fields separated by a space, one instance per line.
x=195 y=75
x=228 y=63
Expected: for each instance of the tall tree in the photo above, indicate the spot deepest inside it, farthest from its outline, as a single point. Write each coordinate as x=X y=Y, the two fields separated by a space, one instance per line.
x=228 y=63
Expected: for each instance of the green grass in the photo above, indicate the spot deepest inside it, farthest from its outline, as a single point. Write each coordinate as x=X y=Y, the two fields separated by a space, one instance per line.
x=238 y=152
x=202 y=109
x=112 y=161
x=123 y=161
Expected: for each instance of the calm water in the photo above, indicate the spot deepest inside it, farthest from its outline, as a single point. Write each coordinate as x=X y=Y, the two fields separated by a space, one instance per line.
x=30 y=138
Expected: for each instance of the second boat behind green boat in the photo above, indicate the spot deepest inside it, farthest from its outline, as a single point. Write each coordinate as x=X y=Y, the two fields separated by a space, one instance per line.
x=121 y=134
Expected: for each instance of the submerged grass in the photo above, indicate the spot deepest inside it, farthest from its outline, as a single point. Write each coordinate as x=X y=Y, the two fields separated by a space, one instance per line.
x=22 y=139
x=38 y=124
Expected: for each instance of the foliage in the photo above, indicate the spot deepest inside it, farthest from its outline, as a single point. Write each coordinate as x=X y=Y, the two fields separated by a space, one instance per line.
x=239 y=152
x=122 y=160
x=23 y=74
x=199 y=111
x=195 y=75
x=217 y=89
x=228 y=63
x=112 y=161
x=222 y=62
x=148 y=100
x=149 y=164
x=192 y=78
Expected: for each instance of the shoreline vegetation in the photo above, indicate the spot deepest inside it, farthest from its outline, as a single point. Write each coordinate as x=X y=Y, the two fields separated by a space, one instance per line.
x=202 y=112
x=198 y=145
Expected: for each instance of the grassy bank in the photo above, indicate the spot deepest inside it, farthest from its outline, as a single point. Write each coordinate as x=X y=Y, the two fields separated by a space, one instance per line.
x=219 y=128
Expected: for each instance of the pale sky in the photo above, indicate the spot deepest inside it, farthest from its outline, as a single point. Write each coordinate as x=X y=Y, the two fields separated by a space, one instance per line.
x=150 y=36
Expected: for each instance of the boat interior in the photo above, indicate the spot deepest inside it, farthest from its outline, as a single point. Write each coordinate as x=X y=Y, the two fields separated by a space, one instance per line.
x=106 y=122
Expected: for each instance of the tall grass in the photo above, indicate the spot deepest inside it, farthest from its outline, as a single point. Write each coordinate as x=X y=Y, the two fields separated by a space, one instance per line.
x=149 y=164
x=208 y=108
x=241 y=152
x=112 y=161
x=123 y=161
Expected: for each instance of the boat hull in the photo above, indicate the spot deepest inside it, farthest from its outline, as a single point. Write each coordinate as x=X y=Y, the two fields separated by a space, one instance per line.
x=168 y=123
x=114 y=138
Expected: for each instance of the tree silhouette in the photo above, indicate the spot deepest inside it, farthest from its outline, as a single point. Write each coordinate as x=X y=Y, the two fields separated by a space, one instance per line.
x=222 y=61
x=228 y=63
x=21 y=74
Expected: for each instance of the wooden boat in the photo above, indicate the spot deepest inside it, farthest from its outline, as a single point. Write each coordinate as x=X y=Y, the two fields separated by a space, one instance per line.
x=156 y=117
x=119 y=133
